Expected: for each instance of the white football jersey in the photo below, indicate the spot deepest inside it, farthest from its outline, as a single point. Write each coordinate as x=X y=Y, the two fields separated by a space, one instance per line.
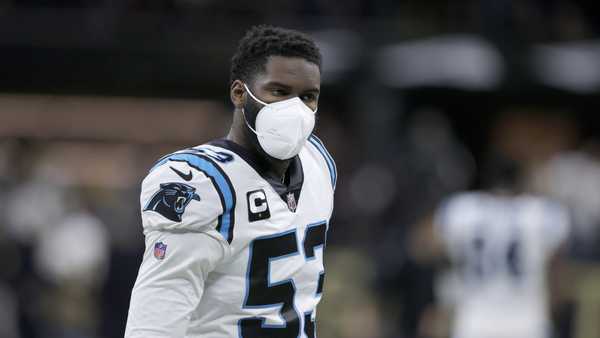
x=500 y=247
x=230 y=253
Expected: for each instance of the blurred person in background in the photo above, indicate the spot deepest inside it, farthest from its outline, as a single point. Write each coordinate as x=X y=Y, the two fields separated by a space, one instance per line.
x=235 y=228
x=502 y=245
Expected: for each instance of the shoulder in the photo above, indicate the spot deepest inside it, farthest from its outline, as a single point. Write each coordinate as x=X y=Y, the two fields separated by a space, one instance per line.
x=459 y=212
x=189 y=190
x=541 y=203
x=317 y=147
x=548 y=211
x=550 y=215
x=461 y=205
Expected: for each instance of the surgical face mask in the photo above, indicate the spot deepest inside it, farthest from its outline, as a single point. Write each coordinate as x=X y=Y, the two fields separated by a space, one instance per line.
x=282 y=127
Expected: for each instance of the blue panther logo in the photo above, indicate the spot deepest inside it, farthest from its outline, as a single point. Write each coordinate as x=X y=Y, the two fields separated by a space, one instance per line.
x=171 y=200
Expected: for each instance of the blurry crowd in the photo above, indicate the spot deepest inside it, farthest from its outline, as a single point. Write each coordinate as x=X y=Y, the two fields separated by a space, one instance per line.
x=408 y=125
x=68 y=248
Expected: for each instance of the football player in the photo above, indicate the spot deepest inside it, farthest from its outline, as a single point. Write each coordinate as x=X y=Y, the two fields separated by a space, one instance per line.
x=235 y=228
x=501 y=243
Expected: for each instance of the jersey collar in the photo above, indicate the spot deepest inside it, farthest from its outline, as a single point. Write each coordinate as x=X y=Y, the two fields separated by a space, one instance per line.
x=295 y=170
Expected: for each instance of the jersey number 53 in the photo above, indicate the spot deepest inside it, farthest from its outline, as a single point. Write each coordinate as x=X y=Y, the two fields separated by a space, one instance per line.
x=262 y=293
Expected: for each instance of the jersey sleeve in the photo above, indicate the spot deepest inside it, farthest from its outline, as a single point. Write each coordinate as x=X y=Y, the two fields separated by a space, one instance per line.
x=170 y=282
x=188 y=192
x=185 y=209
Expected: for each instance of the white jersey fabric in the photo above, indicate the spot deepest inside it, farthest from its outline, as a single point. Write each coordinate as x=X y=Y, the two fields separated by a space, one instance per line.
x=500 y=247
x=230 y=253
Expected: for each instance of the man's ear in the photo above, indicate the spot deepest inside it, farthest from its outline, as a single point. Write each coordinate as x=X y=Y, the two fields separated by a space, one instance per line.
x=237 y=93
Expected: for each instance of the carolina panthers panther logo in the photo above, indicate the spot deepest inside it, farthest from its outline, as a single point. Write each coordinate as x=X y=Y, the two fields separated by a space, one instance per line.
x=171 y=200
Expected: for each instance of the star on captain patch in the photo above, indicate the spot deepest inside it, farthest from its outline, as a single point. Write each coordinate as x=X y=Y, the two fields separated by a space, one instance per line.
x=291 y=202
x=160 y=249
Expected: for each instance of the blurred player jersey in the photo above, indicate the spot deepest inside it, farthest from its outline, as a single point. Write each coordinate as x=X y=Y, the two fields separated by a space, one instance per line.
x=230 y=253
x=500 y=246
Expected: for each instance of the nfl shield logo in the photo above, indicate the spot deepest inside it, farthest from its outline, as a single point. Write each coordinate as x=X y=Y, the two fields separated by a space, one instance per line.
x=291 y=202
x=160 y=249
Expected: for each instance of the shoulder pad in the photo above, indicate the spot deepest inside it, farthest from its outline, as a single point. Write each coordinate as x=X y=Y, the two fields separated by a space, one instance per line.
x=188 y=190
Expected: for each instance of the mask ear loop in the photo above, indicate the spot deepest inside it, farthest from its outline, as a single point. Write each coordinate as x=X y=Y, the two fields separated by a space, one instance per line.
x=248 y=124
x=254 y=97
x=244 y=111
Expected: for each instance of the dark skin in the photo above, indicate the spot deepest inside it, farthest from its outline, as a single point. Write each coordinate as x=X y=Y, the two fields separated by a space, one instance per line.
x=284 y=78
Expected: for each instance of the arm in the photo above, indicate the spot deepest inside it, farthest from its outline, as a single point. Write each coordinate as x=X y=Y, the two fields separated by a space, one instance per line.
x=180 y=212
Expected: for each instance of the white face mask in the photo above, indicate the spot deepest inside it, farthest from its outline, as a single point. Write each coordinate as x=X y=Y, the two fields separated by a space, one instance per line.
x=282 y=127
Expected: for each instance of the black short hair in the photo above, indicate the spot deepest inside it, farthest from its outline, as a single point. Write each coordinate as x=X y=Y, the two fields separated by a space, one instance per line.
x=263 y=41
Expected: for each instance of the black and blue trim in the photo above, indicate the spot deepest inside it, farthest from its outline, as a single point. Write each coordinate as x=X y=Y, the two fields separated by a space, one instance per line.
x=221 y=182
x=318 y=144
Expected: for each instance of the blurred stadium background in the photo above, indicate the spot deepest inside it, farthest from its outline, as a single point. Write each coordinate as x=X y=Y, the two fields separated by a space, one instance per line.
x=420 y=99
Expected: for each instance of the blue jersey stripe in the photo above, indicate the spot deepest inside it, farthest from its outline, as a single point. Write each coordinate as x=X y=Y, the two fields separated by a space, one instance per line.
x=328 y=158
x=324 y=151
x=220 y=181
